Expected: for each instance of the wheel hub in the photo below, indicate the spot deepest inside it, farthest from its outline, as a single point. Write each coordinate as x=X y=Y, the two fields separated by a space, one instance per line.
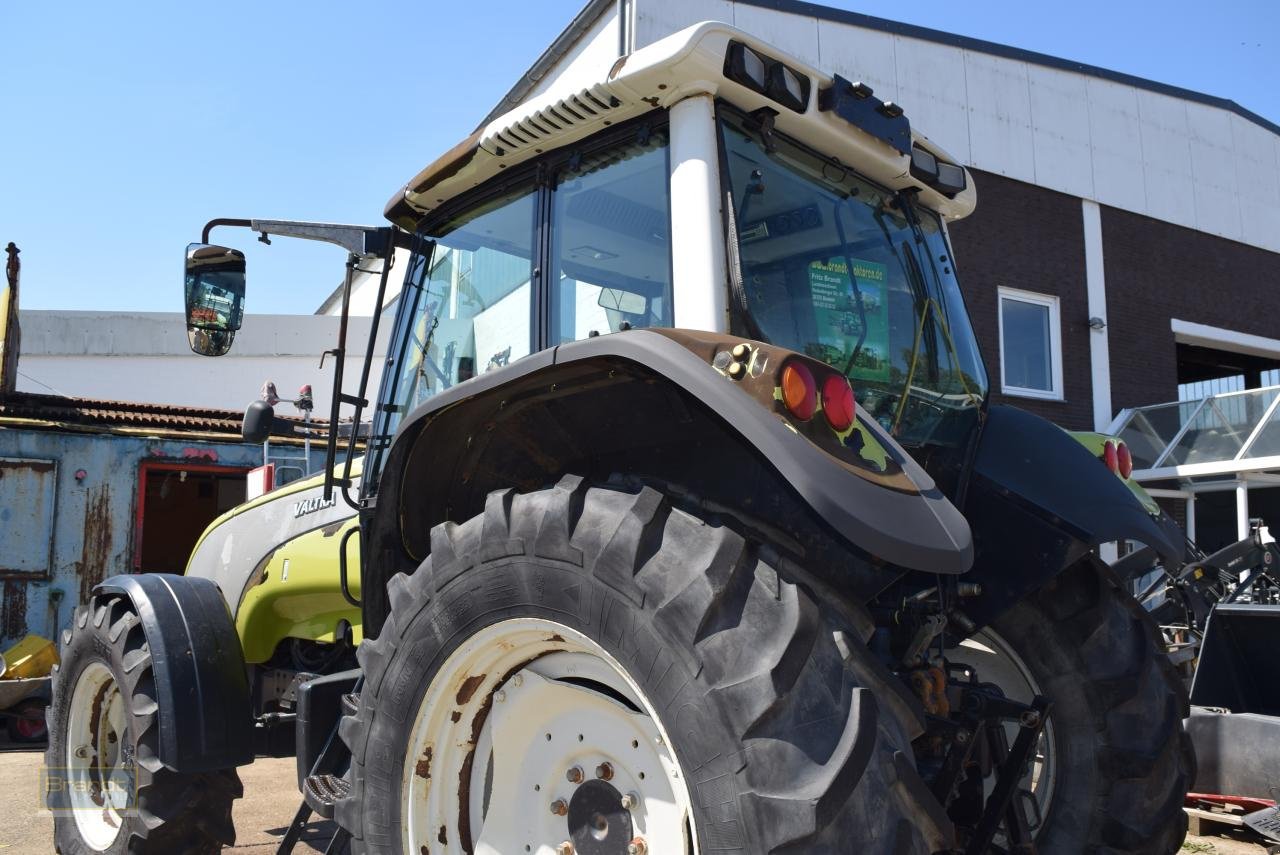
x=99 y=760
x=598 y=823
x=529 y=712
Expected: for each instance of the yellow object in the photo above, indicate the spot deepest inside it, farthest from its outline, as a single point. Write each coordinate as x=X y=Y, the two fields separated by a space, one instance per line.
x=33 y=656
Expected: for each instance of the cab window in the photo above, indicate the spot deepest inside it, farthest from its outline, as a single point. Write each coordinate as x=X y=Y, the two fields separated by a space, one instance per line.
x=611 y=243
x=466 y=307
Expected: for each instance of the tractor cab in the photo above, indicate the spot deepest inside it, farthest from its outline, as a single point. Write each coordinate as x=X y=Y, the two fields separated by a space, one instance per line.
x=705 y=185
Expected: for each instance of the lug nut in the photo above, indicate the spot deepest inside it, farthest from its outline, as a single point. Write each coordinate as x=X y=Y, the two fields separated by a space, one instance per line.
x=736 y=370
x=499 y=696
x=637 y=847
x=517 y=680
x=565 y=848
x=741 y=351
x=574 y=775
x=559 y=808
x=630 y=801
x=605 y=771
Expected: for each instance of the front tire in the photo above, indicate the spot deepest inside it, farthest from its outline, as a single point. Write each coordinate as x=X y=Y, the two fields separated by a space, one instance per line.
x=770 y=727
x=1117 y=761
x=106 y=786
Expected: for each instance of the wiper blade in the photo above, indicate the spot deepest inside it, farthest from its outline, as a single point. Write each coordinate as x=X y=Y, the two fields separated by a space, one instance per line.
x=937 y=295
x=853 y=283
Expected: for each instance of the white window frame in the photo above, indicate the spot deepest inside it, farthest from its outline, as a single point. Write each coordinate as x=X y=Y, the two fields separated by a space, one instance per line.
x=1051 y=303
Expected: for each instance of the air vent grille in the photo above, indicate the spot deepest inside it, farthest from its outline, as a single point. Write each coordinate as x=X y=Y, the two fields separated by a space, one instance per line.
x=584 y=107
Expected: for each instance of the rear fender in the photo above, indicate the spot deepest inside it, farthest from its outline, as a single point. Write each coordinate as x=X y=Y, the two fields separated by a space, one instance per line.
x=661 y=404
x=202 y=689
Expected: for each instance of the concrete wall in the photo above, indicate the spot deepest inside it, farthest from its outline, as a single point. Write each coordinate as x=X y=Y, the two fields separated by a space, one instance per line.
x=144 y=357
x=91 y=533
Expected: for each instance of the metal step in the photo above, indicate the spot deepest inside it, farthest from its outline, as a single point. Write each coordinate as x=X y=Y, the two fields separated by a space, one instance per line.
x=323 y=791
x=349 y=703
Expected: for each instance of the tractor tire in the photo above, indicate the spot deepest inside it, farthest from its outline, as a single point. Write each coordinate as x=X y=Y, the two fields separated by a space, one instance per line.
x=1120 y=762
x=500 y=693
x=105 y=784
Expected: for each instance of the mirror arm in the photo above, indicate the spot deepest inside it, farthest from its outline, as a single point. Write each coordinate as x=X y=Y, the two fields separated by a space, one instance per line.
x=221 y=221
x=362 y=241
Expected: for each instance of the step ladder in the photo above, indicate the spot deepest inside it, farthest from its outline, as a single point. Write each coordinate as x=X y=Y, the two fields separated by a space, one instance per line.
x=324 y=787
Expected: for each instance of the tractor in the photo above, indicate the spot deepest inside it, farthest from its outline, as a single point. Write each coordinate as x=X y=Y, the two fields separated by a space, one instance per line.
x=685 y=522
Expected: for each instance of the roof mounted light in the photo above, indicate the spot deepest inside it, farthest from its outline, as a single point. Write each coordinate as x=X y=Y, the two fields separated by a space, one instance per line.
x=947 y=178
x=746 y=67
x=788 y=88
x=924 y=165
x=951 y=179
x=768 y=76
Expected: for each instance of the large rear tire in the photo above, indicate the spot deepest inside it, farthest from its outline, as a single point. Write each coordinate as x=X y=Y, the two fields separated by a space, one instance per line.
x=773 y=729
x=106 y=786
x=1116 y=760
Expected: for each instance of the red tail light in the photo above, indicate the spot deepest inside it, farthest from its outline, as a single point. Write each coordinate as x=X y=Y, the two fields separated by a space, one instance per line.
x=837 y=402
x=1124 y=461
x=799 y=392
x=1111 y=457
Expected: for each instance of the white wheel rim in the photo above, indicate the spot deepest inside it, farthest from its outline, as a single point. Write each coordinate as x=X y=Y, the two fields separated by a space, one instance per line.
x=509 y=714
x=98 y=760
x=996 y=662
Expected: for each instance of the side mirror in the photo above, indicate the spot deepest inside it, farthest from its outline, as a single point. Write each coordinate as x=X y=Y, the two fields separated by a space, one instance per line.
x=214 y=285
x=258 y=419
x=209 y=342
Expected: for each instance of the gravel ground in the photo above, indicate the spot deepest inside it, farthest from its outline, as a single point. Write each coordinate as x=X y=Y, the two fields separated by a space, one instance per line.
x=269 y=802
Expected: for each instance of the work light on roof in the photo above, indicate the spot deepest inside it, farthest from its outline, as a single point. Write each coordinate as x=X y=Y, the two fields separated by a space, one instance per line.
x=788 y=88
x=946 y=178
x=768 y=76
x=951 y=179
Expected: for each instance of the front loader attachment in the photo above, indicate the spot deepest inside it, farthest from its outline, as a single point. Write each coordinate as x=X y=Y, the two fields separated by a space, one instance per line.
x=1235 y=718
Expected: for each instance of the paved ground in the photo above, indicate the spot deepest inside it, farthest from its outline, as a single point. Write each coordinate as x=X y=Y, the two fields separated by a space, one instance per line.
x=261 y=817
x=266 y=810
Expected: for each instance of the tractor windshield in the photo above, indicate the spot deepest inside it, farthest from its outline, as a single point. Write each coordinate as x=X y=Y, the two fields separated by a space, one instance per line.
x=854 y=275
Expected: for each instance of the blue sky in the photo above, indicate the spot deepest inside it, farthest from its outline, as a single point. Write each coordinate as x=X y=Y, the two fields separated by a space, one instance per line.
x=127 y=126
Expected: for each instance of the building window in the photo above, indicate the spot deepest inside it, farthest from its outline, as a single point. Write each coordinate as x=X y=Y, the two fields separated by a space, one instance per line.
x=1030 y=345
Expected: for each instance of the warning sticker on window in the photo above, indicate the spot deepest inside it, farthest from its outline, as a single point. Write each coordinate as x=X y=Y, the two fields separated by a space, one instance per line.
x=839 y=321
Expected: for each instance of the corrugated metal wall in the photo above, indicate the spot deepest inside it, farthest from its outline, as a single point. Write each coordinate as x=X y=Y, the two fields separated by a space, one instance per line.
x=68 y=508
